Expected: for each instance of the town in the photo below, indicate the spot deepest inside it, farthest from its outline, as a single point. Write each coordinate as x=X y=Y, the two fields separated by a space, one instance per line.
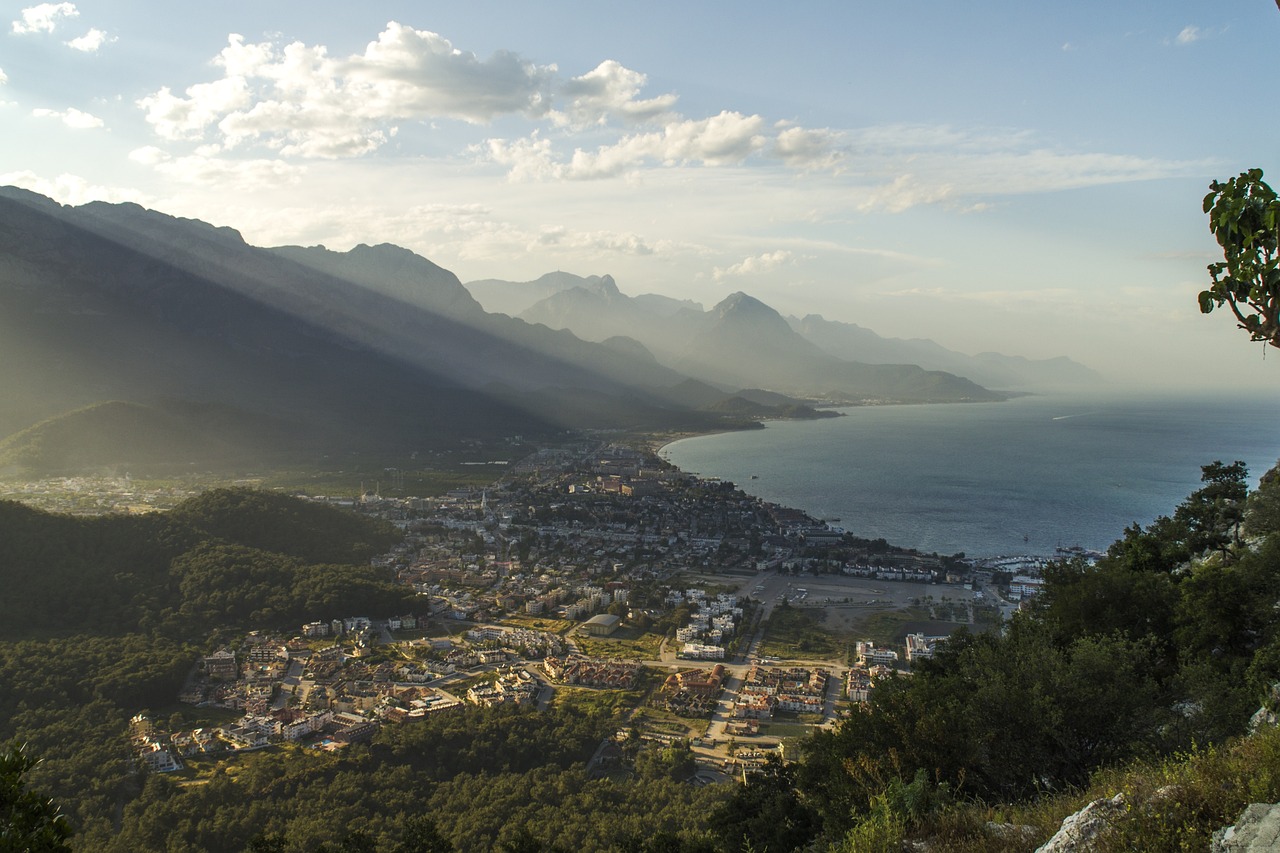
x=720 y=621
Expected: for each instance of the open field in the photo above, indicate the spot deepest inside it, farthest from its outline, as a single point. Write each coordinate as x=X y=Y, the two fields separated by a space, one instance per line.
x=658 y=721
x=800 y=633
x=617 y=702
x=852 y=608
x=625 y=643
x=537 y=623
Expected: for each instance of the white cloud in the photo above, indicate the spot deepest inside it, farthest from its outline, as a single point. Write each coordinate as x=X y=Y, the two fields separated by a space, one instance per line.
x=595 y=241
x=208 y=170
x=904 y=193
x=4 y=78
x=90 y=41
x=301 y=102
x=801 y=148
x=901 y=166
x=69 y=189
x=754 y=265
x=44 y=17
x=419 y=73
x=726 y=139
x=71 y=117
x=1188 y=35
x=610 y=89
x=173 y=117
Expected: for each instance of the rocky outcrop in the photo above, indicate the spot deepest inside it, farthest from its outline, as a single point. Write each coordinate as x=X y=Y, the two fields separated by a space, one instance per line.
x=1256 y=830
x=1267 y=714
x=1079 y=830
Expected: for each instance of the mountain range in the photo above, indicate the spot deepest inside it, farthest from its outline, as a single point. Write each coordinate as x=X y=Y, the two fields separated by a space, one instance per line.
x=187 y=345
x=593 y=307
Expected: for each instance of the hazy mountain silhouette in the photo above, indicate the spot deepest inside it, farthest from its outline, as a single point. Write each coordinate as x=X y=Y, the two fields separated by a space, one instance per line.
x=371 y=348
x=740 y=342
x=216 y=350
x=993 y=370
x=513 y=297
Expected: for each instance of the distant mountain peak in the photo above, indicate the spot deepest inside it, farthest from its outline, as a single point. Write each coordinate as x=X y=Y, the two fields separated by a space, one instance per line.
x=740 y=309
x=605 y=284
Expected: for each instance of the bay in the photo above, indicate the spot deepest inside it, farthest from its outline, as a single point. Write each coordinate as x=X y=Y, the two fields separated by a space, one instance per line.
x=1021 y=477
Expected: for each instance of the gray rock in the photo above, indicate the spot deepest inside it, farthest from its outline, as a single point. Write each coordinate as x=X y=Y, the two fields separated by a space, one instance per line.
x=1256 y=830
x=1079 y=830
x=1267 y=715
x=1263 y=717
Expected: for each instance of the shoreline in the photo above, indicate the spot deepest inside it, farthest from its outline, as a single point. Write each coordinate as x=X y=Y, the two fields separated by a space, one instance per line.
x=1063 y=538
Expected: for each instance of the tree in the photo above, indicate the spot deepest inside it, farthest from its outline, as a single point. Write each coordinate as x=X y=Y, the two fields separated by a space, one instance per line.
x=1211 y=515
x=28 y=821
x=765 y=813
x=1244 y=216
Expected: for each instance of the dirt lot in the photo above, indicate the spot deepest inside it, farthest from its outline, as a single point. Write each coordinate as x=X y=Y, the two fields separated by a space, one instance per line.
x=852 y=604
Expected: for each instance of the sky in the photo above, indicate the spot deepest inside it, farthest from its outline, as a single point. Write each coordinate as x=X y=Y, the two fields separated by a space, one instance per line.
x=1010 y=176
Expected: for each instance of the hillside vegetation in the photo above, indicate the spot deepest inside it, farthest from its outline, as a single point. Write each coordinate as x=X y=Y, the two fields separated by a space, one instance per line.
x=1163 y=649
x=1137 y=675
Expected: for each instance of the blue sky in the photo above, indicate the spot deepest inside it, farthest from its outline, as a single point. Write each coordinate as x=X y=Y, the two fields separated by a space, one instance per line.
x=1013 y=176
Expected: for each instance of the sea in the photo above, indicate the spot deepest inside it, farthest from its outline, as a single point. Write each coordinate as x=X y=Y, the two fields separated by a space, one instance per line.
x=1028 y=476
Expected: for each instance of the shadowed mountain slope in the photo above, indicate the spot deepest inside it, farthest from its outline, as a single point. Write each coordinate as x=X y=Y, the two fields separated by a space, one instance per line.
x=374 y=347
x=739 y=343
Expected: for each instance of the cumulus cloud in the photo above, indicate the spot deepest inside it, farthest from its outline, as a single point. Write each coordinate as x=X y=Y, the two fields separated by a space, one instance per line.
x=71 y=117
x=1188 y=35
x=609 y=90
x=44 y=17
x=300 y=101
x=69 y=189
x=598 y=241
x=754 y=265
x=90 y=41
x=206 y=168
x=905 y=192
x=725 y=139
x=803 y=148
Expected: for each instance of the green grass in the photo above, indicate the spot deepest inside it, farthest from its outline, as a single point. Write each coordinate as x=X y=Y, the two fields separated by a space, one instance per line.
x=536 y=623
x=194 y=717
x=889 y=627
x=586 y=699
x=661 y=721
x=786 y=729
x=1174 y=804
x=797 y=632
x=625 y=644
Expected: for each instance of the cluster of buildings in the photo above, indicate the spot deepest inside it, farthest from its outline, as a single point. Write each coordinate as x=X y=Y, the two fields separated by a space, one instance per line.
x=593 y=537
x=513 y=685
x=873 y=663
x=767 y=690
x=712 y=623
x=593 y=672
x=693 y=692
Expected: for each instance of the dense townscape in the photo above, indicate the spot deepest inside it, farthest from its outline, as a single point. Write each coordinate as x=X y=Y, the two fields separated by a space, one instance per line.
x=515 y=582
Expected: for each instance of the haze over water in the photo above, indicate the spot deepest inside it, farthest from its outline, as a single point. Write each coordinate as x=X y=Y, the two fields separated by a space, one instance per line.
x=1020 y=477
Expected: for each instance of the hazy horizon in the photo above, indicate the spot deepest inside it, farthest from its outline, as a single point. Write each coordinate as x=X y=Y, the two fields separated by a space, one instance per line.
x=1019 y=180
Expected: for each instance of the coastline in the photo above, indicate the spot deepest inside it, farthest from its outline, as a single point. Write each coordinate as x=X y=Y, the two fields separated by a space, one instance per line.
x=1041 y=473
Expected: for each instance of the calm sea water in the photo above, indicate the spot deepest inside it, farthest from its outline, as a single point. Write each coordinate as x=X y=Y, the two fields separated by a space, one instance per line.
x=1021 y=477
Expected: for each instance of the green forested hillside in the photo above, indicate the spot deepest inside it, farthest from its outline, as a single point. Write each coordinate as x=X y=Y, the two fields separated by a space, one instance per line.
x=1166 y=645
x=486 y=778
x=224 y=559
x=1142 y=668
